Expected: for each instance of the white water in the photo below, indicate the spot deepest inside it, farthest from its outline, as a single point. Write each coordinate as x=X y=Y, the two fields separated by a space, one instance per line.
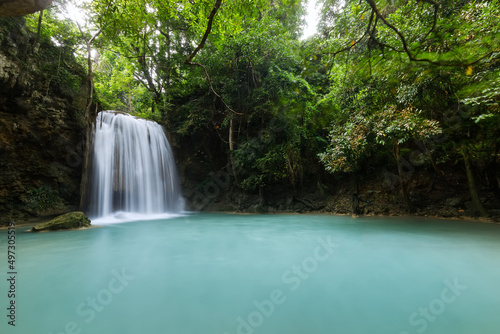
x=132 y=170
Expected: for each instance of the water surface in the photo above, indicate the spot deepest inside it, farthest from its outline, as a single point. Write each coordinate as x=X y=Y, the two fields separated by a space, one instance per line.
x=268 y=274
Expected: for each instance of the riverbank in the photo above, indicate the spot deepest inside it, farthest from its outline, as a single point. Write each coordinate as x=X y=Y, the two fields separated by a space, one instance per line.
x=442 y=196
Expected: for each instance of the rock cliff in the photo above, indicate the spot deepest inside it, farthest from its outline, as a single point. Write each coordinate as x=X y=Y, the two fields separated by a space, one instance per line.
x=42 y=100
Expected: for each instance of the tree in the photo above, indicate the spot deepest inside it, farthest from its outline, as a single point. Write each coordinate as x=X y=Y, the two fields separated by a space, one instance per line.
x=158 y=36
x=419 y=55
x=394 y=127
x=441 y=34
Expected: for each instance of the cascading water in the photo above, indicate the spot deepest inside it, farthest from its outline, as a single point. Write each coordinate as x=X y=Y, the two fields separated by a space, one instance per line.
x=131 y=169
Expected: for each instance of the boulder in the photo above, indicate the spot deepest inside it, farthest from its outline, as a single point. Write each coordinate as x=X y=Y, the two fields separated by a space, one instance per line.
x=453 y=201
x=257 y=208
x=71 y=220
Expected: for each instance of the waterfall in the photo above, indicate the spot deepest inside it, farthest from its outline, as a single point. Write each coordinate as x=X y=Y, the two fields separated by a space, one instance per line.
x=131 y=169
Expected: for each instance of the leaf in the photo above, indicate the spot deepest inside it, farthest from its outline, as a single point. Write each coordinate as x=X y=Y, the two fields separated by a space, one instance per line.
x=469 y=70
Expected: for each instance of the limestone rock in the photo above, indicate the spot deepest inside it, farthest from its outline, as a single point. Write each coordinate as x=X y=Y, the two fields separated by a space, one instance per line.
x=453 y=201
x=71 y=220
x=42 y=125
x=22 y=7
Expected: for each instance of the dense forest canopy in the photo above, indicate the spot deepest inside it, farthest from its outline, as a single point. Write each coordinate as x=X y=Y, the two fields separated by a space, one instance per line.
x=391 y=83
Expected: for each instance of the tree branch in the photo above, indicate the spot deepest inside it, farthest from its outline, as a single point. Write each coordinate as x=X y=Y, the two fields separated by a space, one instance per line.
x=207 y=32
x=405 y=44
x=434 y=20
x=368 y=28
x=374 y=38
x=212 y=88
x=200 y=46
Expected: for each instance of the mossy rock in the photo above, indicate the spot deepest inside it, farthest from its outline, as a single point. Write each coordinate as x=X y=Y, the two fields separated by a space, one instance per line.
x=71 y=220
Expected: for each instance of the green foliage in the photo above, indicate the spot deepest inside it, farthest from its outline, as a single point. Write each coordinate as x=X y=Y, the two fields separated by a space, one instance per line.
x=41 y=198
x=63 y=32
x=156 y=37
x=351 y=143
x=408 y=74
x=116 y=87
x=483 y=91
x=399 y=126
x=379 y=74
x=57 y=45
x=348 y=145
x=58 y=66
x=284 y=146
x=8 y=24
x=260 y=163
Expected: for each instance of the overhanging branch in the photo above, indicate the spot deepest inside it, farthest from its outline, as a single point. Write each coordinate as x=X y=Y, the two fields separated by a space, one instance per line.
x=405 y=44
x=207 y=32
x=360 y=39
x=371 y=29
x=189 y=59
x=212 y=88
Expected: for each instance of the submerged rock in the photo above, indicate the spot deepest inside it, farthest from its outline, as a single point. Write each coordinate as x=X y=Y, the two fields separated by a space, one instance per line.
x=71 y=220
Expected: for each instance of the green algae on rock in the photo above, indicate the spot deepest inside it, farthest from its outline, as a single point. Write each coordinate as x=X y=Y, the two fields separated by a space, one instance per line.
x=71 y=220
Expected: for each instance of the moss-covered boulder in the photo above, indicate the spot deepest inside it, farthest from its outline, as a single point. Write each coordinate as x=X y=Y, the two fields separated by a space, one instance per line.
x=71 y=220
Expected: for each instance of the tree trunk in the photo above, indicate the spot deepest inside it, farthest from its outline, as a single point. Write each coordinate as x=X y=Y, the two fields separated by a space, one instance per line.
x=169 y=66
x=85 y=169
x=476 y=202
x=429 y=155
x=89 y=121
x=129 y=99
x=354 y=195
x=231 y=133
x=231 y=147
x=497 y=174
x=406 y=197
x=39 y=28
x=89 y=117
x=496 y=166
x=91 y=80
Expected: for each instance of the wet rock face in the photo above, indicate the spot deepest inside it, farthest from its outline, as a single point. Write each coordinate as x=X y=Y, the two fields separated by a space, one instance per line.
x=22 y=7
x=9 y=72
x=42 y=104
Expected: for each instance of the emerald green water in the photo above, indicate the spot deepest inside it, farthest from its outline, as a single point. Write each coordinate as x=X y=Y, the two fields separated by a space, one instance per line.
x=268 y=274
